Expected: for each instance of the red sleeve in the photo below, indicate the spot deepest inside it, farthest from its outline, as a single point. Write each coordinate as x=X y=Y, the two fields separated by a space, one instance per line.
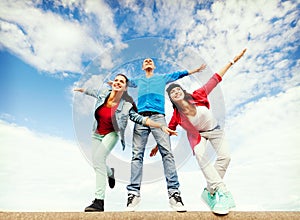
x=200 y=95
x=174 y=121
x=210 y=85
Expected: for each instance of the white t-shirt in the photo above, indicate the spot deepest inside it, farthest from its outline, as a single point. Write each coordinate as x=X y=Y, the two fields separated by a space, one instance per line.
x=204 y=119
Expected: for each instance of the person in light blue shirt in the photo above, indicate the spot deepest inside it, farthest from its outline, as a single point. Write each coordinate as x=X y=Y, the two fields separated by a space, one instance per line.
x=151 y=90
x=151 y=103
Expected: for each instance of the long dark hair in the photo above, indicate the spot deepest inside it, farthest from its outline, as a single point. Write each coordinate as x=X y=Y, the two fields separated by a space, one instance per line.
x=125 y=95
x=187 y=96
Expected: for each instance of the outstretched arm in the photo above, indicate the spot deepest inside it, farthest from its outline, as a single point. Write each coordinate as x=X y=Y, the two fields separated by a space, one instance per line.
x=202 y=67
x=231 y=62
x=164 y=128
x=137 y=118
x=92 y=92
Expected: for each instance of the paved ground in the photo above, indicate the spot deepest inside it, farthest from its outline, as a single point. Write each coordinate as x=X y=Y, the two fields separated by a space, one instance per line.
x=148 y=216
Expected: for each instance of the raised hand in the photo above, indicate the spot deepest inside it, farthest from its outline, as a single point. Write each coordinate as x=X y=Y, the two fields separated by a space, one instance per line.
x=202 y=67
x=237 y=57
x=78 y=90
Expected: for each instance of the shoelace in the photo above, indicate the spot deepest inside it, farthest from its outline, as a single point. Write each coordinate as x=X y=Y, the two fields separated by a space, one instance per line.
x=177 y=198
x=221 y=196
x=130 y=198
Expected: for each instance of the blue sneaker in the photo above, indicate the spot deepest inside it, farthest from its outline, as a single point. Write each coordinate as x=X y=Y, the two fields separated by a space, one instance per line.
x=231 y=203
x=208 y=198
x=221 y=206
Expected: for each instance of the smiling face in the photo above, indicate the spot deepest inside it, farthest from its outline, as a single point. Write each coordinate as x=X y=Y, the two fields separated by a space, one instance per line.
x=119 y=84
x=148 y=64
x=176 y=94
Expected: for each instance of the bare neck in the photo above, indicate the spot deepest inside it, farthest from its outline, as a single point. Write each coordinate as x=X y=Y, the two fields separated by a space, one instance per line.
x=186 y=108
x=114 y=98
x=183 y=104
x=149 y=72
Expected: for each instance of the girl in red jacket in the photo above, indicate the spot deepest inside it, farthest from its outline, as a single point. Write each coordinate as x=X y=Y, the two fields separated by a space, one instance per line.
x=192 y=112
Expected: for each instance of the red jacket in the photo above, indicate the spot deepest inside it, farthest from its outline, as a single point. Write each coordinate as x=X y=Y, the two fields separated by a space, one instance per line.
x=199 y=99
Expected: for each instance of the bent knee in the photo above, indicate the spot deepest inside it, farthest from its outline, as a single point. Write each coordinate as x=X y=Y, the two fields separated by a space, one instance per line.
x=225 y=159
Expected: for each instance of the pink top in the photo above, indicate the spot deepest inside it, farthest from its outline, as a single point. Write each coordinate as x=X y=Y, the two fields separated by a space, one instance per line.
x=199 y=99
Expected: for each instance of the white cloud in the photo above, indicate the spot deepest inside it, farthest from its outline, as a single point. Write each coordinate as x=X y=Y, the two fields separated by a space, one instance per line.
x=104 y=17
x=41 y=173
x=155 y=17
x=265 y=154
x=52 y=43
x=7 y=117
x=83 y=104
x=264 y=27
x=56 y=43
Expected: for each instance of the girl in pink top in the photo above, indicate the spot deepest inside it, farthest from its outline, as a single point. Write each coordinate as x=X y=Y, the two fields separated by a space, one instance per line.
x=192 y=112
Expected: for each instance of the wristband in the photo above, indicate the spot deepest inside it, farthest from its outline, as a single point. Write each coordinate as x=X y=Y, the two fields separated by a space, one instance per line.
x=231 y=61
x=161 y=126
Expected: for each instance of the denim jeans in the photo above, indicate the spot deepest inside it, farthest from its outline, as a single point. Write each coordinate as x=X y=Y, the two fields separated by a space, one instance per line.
x=213 y=173
x=102 y=146
x=140 y=138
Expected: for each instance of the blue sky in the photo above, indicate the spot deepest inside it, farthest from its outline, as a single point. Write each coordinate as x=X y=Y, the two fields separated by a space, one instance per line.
x=49 y=47
x=34 y=99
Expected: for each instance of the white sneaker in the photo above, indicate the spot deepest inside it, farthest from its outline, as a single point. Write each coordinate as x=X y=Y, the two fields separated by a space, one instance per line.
x=132 y=202
x=176 y=203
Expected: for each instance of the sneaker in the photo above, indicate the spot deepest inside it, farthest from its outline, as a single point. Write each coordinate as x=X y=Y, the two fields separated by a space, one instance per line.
x=221 y=206
x=132 y=202
x=231 y=203
x=96 y=206
x=176 y=203
x=208 y=198
x=111 y=179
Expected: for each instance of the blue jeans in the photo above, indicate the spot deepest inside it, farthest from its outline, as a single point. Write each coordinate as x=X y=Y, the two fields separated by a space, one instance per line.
x=140 y=138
